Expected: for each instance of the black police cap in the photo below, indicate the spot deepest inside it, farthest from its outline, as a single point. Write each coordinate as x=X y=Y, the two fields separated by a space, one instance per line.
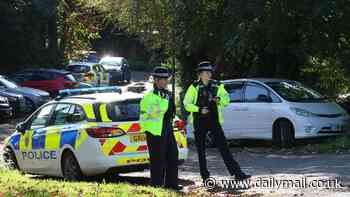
x=205 y=66
x=160 y=72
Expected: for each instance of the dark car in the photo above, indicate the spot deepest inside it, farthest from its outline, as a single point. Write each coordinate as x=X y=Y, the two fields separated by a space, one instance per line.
x=16 y=101
x=5 y=108
x=118 y=68
x=34 y=98
x=50 y=80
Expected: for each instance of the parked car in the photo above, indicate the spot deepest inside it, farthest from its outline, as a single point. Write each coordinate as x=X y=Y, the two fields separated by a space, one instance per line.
x=34 y=98
x=87 y=72
x=68 y=138
x=5 y=108
x=118 y=67
x=16 y=101
x=49 y=80
x=279 y=110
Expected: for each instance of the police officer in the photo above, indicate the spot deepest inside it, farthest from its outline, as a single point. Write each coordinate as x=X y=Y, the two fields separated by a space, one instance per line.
x=205 y=100
x=157 y=114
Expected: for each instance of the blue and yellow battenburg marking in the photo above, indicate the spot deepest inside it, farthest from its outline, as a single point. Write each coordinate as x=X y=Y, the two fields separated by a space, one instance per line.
x=49 y=140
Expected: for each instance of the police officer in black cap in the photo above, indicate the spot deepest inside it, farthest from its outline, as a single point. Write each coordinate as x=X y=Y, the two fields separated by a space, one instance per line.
x=156 y=119
x=205 y=100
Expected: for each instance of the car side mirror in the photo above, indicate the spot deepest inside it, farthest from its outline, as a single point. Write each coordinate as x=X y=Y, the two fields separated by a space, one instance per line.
x=73 y=118
x=264 y=98
x=21 y=127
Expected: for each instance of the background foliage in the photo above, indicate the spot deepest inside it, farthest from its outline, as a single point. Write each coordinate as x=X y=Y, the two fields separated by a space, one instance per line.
x=304 y=40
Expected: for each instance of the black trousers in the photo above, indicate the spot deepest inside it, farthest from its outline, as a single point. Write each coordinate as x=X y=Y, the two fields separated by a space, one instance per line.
x=201 y=128
x=164 y=159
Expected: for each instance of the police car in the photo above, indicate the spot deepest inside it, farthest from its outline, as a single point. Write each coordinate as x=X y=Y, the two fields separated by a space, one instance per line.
x=84 y=135
x=92 y=73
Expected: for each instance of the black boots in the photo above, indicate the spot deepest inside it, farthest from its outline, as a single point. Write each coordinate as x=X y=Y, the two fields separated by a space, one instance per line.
x=242 y=176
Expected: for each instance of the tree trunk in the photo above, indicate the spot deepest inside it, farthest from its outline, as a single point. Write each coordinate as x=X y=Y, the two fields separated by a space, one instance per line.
x=52 y=34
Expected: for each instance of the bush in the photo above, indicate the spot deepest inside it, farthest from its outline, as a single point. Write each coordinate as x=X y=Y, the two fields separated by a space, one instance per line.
x=339 y=144
x=326 y=76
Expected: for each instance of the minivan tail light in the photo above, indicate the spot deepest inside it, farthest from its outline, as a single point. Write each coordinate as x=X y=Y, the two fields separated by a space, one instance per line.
x=180 y=125
x=105 y=132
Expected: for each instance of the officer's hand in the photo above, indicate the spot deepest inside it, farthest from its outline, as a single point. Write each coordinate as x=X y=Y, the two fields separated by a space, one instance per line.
x=204 y=111
x=216 y=99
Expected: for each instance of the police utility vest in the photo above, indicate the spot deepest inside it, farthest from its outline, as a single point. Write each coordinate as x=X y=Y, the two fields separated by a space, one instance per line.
x=152 y=110
x=191 y=98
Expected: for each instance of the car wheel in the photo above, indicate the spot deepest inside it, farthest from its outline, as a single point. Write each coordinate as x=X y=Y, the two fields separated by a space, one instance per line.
x=70 y=167
x=30 y=106
x=10 y=159
x=209 y=140
x=283 y=134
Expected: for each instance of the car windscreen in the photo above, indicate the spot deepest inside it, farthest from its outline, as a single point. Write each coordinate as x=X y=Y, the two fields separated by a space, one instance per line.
x=124 y=111
x=78 y=68
x=295 y=92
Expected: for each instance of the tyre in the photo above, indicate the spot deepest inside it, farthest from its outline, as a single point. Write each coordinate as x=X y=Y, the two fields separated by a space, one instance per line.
x=10 y=159
x=283 y=134
x=70 y=167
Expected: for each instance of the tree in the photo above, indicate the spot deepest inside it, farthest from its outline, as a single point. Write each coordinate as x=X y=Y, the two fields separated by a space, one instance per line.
x=39 y=33
x=245 y=38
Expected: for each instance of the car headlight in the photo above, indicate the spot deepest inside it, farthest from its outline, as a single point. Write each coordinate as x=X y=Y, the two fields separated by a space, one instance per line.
x=3 y=100
x=302 y=112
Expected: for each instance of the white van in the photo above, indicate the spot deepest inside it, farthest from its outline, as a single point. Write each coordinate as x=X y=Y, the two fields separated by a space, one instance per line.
x=279 y=110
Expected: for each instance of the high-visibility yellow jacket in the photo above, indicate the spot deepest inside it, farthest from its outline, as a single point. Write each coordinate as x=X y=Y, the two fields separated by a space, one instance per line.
x=152 y=110
x=191 y=96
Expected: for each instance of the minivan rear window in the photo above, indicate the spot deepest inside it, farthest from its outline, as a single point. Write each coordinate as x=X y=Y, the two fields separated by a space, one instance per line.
x=125 y=111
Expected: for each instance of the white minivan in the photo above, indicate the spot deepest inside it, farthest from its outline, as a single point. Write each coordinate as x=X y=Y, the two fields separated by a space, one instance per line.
x=279 y=110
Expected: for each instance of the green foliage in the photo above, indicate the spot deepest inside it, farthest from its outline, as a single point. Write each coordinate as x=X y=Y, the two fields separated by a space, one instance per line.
x=245 y=38
x=77 y=36
x=326 y=76
x=43 y=32
x=140 y=65
x=340 y=144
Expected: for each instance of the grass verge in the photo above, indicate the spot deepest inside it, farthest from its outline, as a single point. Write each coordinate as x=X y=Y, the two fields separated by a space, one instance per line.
x=338 y=145
x=12 y=183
